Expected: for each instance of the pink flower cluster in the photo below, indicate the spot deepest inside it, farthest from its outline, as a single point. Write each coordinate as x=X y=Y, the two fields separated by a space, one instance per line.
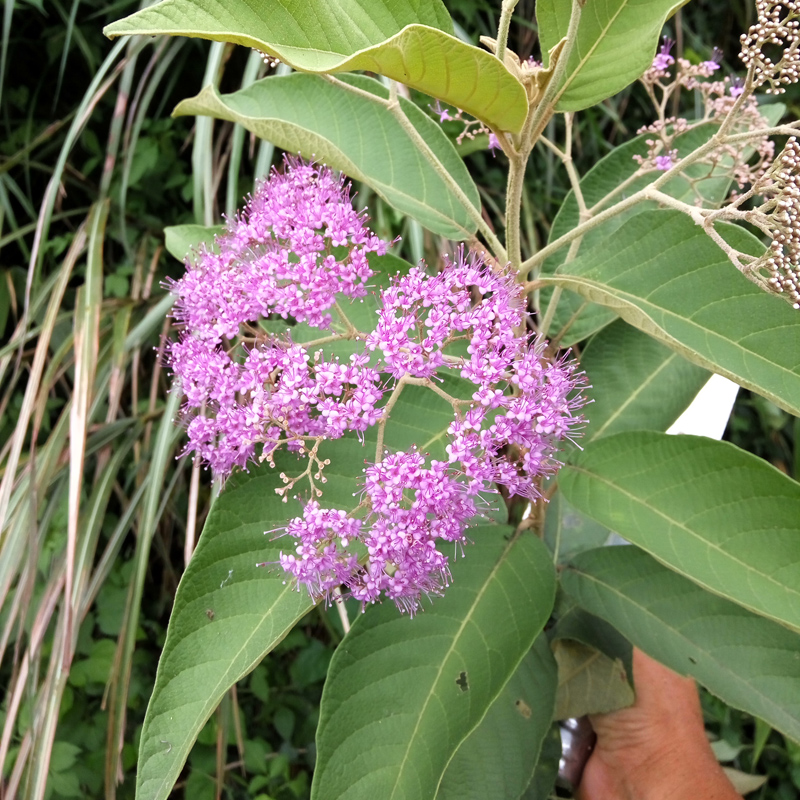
x=297 y=251
x=521 y=407
x=522 y=404
x=412 y=507
x=421 y=315
x=296 y=246
x=277 y=257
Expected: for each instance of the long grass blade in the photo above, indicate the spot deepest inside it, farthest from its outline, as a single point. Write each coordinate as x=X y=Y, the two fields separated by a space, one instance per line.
x=32 y=388
x=163 y=452
x=87 y=323
x=203 y=150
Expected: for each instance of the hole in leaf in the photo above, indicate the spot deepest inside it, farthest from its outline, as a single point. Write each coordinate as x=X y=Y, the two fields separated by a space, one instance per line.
x=523 y=708
x=462 y=682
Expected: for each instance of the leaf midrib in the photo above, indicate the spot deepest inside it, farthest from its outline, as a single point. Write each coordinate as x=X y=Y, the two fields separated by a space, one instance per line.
x=633 y=396
x=409 y=198
x=720 y=665
x=645 y=306
x=750 y=571
x=211 y=703
x=467 y=618
x=583 y=59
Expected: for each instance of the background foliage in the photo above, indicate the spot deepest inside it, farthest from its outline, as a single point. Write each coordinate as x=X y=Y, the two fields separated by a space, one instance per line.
x=91 y=170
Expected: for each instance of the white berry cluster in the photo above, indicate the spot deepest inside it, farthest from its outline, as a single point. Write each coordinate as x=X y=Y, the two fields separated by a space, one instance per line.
x=777 y=28
x=782 y=260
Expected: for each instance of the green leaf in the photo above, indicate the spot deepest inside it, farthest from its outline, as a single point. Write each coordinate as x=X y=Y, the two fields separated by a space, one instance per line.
x=568 y=532
x=406 y=40
x=499 y=757
x=421 y=418
x=665 y=276
x=402 y=694
x=722 y=517
x=602 y=186
x=748 y=661
x=589 y=682
x=229 y=613
x=349 y=132
x=637 y=382
x=182 y=240
x=579 y=625
x=616 y=43
x=544 y=777
x=744 y=782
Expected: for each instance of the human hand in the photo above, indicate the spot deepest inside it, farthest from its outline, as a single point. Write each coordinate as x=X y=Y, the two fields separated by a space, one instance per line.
x=656 y=749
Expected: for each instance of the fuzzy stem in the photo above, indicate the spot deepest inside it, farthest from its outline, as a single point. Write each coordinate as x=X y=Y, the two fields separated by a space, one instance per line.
x=352 y=331
x=502 y=30
x=556 y=296
x=473 y=212
x=628 y=202
x=516 y=184
x=340 y=608
x=545 y=108
x=393 y=398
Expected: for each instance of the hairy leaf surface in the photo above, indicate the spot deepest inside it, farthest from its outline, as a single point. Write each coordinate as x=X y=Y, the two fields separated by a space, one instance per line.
x=665 y=276
x=608 y=182
x=637 y=382
x=410 y=42
x=616 y=43
x=323 y=121
x=722 y=517
x=748 y=661
x=499 y=758
x=403 y=694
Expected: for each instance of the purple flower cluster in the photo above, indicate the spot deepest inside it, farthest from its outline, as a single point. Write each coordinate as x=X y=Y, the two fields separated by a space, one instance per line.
x=411 y=507
x=522 y=405
x=664 y=58
x=507 y=433
x=421 y=315
x=294 y=252
x=297 y=245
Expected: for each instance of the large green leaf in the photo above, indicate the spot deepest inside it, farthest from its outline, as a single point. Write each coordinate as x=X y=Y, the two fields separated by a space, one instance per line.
x=748 y=661
x=544 y=777
x=308 y=114
x=568 y=532
x=637 y=382
x=577 y=318
x=664 y=275
x=228 y=612
x=402 y=694
x=616 y=43
x=499 y=757
x=714 y=513
x=409 y=41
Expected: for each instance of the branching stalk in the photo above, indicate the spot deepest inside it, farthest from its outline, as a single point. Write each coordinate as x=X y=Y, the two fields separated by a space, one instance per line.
x=514 y=189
